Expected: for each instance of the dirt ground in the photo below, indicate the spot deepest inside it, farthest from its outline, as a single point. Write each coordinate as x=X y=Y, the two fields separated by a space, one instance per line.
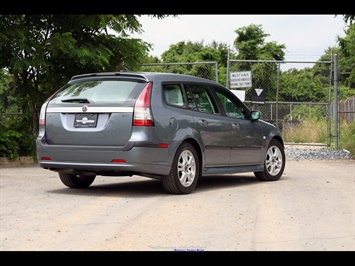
x=311 y=208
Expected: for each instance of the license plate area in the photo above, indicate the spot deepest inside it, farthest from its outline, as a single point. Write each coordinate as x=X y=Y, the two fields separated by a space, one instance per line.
x=85 y=120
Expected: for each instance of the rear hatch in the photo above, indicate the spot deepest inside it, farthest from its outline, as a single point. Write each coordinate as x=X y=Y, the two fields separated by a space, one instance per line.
x=93 y=111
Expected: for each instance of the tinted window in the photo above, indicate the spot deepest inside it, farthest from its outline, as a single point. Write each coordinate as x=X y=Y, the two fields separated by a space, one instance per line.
x=231 y=106
x=200 y=98
x=173 y=94
x=103 y=91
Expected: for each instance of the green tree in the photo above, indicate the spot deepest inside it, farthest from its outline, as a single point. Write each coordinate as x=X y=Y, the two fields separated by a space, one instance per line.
x=349 y=18
x=325 y=73
x=13 y=132
x=301 y=85
x=347 y=55
x=325 y=70
x=197 y=52
x=8 y=101
x=250 y=45
x=42 y=52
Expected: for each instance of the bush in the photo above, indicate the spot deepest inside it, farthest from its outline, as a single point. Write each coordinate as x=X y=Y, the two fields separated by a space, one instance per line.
x=15 y=137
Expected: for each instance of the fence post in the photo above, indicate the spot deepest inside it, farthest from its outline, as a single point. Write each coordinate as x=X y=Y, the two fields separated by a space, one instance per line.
x=336 y=102
x=277 y=96
x=216 y=70
x=227 y=76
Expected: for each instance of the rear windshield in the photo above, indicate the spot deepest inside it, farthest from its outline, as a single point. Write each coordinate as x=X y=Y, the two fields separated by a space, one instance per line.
x=100 y=91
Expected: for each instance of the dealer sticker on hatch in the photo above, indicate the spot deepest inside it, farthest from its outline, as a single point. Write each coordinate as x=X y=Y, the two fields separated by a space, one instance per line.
x=85 y=120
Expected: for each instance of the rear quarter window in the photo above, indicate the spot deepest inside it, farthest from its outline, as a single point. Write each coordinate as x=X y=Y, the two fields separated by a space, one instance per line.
x=173 y=95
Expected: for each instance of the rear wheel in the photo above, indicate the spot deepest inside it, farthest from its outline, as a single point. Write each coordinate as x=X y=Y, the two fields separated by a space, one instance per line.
x=76 y=181
x=274 y=162
x=184 y=171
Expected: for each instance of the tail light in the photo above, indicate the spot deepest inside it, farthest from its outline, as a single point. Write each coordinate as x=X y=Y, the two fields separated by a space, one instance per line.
x=142 y=113
x=42 y=115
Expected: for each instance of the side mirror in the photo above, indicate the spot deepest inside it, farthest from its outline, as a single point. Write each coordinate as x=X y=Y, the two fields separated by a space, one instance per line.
x=255 y=115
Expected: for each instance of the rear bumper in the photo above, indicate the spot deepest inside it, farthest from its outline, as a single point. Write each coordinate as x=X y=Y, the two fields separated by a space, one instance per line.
x=143 y=159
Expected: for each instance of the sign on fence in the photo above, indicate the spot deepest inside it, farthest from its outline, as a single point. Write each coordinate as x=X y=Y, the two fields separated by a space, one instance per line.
x=240 y=79
x=258 y=95
x=240 y=94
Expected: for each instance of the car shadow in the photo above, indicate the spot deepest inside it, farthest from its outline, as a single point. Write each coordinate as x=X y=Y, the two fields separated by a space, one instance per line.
x=225 y=181
x=115 y=187
x=153 y=187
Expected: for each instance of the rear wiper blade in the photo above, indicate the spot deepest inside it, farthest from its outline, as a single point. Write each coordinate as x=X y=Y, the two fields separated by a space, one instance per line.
x=80 y=100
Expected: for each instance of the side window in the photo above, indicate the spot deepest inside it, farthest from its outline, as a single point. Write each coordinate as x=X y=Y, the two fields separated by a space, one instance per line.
x=199 y=98
x=191 y=104
x=173 y=94
x=231 y=107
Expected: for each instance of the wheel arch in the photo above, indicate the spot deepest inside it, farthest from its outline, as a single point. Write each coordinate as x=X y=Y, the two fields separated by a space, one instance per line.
x=279 y=139
x=198 y=149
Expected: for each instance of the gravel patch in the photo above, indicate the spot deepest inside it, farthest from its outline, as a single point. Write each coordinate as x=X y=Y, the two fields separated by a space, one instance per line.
x=297 y=153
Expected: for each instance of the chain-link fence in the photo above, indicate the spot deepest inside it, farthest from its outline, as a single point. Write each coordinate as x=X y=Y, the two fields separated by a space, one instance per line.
x=208 y=70
x=292 y=95
x=295 y=96
x=346 y=117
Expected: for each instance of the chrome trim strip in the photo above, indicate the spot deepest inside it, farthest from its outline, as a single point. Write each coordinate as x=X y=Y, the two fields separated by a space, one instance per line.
x=90 y=110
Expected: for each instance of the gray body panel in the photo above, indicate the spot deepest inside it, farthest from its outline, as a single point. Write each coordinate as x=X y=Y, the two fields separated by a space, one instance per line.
x=225 y=145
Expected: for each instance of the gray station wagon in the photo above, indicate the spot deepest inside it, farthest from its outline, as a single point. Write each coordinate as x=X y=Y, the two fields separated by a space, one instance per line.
x=173 y=127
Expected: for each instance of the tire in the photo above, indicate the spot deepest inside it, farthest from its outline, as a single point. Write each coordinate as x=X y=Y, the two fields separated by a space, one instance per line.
x=274 y=162
x=184 y=171
x=76 y=181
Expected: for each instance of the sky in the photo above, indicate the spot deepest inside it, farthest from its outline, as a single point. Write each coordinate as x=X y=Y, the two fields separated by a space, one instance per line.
x=306 y=37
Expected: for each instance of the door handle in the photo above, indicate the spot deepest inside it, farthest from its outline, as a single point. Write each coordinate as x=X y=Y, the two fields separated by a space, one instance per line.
x=235 y=126
x=203 y=122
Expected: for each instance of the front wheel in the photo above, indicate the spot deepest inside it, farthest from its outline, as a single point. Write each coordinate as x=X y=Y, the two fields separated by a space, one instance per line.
x=184 y=171
x=76 y=181
x=274 y=162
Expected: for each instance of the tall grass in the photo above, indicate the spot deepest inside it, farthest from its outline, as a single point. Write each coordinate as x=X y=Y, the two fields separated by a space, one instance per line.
x=347 y=136
x=311 y=130
x=314 y=130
